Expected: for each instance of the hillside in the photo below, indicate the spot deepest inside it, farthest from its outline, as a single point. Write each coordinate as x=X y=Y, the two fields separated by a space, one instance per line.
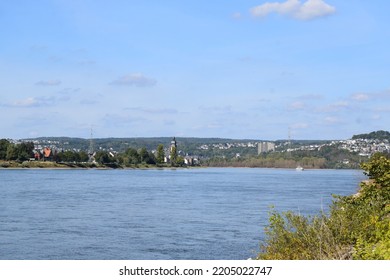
x=375 y=135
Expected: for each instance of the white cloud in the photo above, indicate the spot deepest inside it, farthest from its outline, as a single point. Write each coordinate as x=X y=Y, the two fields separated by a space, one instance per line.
x=311 y=97
x=40 y=101
x=312 y=9
x=360 y=97
x=335 y=107
x=382 y=109
x=135 y=79
x=298 y=105
x=213 y=109
x=28 y=102
x=152 y=110
x=68 y=90
x=48 y=83
x=307 y=10
x=236 y=15
x=88 y=102
x=332 y=120
x=299 y=126
x=32 y=102
x=341 y=104
x=285 y=8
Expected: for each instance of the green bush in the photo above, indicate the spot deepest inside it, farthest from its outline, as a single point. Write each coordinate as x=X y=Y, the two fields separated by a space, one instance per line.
x=357 y=227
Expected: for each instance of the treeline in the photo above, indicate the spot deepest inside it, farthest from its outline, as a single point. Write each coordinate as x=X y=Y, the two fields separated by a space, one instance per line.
x=130 y=158
x=17 y=152
x=357 y=227
x=269 y=162
x=375 y=135
x=327 y=157
x=70 y=156
x=133 y=157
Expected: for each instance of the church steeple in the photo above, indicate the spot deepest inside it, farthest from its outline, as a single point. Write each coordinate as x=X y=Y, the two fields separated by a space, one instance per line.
x=173 y=143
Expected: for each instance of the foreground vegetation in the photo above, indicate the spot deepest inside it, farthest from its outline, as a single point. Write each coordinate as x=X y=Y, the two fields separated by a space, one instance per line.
x=357 y=227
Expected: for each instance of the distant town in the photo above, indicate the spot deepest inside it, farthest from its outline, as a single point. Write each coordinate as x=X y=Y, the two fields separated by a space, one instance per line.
x=210 y=151
x=364 y=147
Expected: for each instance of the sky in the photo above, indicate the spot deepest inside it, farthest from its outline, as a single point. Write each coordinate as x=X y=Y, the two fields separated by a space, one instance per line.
x=229 y=69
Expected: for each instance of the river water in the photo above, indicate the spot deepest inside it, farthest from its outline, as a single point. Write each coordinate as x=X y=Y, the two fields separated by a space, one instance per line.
x=210 y=213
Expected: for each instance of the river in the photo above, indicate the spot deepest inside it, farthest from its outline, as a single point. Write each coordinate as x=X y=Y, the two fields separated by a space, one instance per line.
x=205 y=213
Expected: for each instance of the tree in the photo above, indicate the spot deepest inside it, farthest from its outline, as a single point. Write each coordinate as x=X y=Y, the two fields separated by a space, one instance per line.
x=12 y=153
x=144 y=155
x=83 y=156
x=67 y=156
x=160 y=154
x=103 y=157
x=26 y=147
x=3 y=148
x=151 y=159
x=20 y=152
x=133 y=156
x=180 y=161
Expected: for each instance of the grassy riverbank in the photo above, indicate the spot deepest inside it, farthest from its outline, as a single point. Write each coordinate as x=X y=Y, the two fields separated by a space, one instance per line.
x=48 y=164
x=31 y=164
x=77 y=165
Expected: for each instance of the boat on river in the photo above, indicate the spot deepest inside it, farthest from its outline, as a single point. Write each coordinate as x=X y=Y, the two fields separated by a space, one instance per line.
x=299 y=168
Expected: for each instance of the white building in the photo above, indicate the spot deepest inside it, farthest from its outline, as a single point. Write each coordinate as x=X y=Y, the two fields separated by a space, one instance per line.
x=265 y=147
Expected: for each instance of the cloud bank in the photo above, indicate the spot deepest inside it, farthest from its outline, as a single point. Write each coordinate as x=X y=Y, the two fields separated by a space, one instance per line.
x=135 y=79
x=30 y=102
x=152 y=110
x=310 y=9
x=48 y=83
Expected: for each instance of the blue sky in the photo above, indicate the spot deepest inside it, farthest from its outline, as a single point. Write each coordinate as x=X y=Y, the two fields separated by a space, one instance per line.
x=235 y=69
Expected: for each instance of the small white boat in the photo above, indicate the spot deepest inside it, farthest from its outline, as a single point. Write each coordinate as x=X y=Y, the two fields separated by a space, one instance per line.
x=299 y=168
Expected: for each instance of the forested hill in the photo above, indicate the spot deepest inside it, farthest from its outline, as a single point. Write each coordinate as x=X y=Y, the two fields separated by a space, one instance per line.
x=375 y=135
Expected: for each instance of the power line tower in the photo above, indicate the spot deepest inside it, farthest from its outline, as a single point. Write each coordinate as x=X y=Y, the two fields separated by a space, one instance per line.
x=91 y=142
x=91 y=152
x=289 y=142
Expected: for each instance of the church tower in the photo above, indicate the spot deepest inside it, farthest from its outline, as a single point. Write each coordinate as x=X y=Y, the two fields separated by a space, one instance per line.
x=173 y=144
x=173 y=151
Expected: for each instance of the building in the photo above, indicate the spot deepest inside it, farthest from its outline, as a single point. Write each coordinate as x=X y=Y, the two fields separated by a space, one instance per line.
x=173 y=144
x=47 y=154
x=168 y=153
x=191 y=160
x=265 y=147
x=188 y=161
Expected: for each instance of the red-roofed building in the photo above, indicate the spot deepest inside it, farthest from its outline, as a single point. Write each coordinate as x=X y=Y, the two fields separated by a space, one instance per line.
x=47 y=154
x=37 y=155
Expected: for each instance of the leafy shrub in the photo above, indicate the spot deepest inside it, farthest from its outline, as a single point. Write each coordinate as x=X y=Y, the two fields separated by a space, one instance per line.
x=358 y=226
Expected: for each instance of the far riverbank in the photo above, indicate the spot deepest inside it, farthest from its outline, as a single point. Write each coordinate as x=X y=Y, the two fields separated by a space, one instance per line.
x=80 y=165
x=90 y=165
